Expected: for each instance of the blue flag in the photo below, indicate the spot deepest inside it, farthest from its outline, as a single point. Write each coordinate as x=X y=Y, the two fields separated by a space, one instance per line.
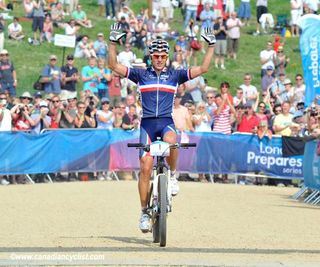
x=310 y=47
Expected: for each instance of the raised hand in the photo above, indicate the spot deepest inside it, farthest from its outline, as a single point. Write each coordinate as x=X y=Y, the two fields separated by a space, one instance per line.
x=209 y=37
x=116 y=33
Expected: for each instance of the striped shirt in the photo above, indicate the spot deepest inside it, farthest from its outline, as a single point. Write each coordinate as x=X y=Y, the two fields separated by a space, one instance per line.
x=222 y=122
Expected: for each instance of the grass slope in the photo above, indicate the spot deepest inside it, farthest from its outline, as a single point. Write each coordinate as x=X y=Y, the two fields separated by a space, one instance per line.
x=29 y=60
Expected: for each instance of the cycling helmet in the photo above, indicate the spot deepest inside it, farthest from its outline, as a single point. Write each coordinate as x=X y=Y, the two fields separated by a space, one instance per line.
x=159 y=45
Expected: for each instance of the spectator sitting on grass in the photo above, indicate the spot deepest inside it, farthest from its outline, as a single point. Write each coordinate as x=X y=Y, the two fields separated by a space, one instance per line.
x=47 y=33
x=81 y=18
x=15 y=30
x=84 y=49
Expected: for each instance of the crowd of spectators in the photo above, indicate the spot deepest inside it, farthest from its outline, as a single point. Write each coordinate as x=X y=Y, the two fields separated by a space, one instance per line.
x=107 y=101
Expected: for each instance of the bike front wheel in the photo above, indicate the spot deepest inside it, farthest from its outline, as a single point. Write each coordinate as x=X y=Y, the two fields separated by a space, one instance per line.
x=163 y=202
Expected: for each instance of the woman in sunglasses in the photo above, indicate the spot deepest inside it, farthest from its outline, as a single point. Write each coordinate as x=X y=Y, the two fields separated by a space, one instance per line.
x=157 y=86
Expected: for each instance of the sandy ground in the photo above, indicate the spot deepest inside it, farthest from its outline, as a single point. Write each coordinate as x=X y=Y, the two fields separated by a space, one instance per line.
x=96 y=223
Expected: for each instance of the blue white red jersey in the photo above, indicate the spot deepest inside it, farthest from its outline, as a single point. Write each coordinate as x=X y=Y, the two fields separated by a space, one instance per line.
x=157 y=92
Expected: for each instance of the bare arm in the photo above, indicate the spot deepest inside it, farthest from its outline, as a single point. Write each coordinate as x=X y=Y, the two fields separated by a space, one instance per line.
x=113 y=63
x=204 y=67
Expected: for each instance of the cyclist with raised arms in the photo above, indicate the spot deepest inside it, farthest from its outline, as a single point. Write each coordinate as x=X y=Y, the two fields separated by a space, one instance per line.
x=157 y=86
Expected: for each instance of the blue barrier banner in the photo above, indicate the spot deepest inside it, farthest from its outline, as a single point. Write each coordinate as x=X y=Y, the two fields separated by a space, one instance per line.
x=310 y=47
x=99 y=150
x=311 y=165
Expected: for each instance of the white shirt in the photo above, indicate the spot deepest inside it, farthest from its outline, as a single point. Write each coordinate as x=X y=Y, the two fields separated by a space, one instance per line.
x=126 y=58
x=5 y=123
x=106 y=115
x=249 y=91
x=14 y=28
x=268 y=54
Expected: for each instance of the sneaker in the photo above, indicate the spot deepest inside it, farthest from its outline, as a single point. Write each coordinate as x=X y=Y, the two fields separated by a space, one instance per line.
x=144 y=224
x=174 y=185
x=4 y=182
x=223 y=67
x=216 y=65
x=108 y=18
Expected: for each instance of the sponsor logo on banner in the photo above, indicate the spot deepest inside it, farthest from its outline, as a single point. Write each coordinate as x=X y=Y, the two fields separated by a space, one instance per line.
x=310 y=47
x=271 y=158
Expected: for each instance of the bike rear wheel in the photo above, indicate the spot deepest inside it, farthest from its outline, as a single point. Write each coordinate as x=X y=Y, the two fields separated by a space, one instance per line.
x=163 y=209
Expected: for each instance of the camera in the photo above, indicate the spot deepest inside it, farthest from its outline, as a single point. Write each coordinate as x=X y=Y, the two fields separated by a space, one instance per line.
x=91 y=103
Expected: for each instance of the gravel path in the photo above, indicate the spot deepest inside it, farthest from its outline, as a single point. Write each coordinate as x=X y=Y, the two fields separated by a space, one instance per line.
x=96 y=223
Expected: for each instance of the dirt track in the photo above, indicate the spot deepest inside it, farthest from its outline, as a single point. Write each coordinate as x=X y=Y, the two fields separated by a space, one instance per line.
x=211 y=224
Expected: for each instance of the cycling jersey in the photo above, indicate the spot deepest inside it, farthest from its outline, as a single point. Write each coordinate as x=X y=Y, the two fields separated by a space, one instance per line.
x=157 y=91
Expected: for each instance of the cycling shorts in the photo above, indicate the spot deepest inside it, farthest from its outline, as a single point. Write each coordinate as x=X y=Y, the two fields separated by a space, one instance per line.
x=151 y=128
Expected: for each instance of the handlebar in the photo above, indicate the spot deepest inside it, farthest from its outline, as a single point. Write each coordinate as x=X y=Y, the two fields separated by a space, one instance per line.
x=176 y=145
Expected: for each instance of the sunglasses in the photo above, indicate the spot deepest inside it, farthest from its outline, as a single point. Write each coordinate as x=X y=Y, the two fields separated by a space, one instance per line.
x=3 y=98
x=105 y=103
x=209 y=97
x=160 y=56
x=278 y=110
x=55 y=101
x=26 y=98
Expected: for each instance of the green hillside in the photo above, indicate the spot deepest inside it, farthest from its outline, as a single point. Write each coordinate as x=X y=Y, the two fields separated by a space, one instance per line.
x=29 y=60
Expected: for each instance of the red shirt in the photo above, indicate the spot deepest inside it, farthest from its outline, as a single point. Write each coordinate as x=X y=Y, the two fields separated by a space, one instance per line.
x=248 y=124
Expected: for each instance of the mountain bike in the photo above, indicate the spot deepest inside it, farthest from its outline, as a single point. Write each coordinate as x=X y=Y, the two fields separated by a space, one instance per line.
x=160 y=197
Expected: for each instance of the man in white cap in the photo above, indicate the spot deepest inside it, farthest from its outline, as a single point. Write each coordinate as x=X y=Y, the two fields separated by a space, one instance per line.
x=51 y=76
x=41 y=120
x=100 y=46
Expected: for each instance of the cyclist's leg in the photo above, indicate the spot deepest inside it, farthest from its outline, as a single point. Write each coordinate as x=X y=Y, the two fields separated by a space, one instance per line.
x=169 y=135
x=146 y=163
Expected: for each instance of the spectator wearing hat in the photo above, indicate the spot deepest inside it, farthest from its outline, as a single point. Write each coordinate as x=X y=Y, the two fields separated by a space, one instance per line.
x=37 y=98
x=8 y=75
x=277 y=87
x=5 y=115
x=112 y=4
x=81 y=17
x=41 y=120
x=267 y=58
x=267 y=80
x=26 y=98
x=105 y=116
x=100 y=46
x=69 y=78
x=299 y=126
x=288 y=94
x=51 y=76
x=15 y=30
